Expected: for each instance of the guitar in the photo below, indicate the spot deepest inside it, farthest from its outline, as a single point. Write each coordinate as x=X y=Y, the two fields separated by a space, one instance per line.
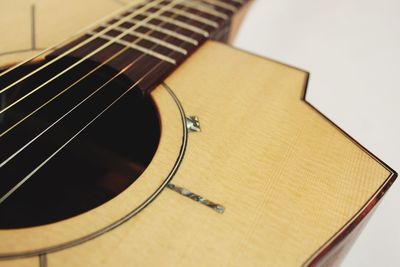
x=144 y=140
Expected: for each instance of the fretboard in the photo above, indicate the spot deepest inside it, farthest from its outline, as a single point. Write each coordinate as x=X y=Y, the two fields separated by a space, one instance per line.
x=148 y=41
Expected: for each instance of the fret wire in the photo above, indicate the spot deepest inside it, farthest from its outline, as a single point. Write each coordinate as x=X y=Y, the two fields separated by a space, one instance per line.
x=135 y=13
x=47 y=102
x=193 y=17
x=4 y=197
x=137 y=47
x=2 y=134
x=161 y=29
x=17 y=152
x=154 y=40
x=20 y=121
x=69 y=39
x=163 y=9
x=202 y=7
x=222 y=5
x=181 y=24
x=166 y=31
x=239 y=1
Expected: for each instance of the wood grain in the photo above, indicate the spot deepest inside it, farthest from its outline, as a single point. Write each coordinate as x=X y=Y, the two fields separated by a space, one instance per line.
x=289 y=180
x=55 y=21
x=26 y=262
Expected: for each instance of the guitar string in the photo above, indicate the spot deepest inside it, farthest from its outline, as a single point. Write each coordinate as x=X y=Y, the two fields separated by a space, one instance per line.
x=114 y=14
x=19 y=184
x=74 y=36
x=16 y=124
x=153 y=4
x=70 y=86
x=108 y=43
x=171 y=5
x=27 y=177
x=68 y=52
x=66 y=89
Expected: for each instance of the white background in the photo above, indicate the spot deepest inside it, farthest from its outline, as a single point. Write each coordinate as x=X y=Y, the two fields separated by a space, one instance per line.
x=352 y=50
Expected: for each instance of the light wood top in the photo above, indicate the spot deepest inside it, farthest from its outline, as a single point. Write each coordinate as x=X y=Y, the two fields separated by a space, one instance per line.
x=289 y=179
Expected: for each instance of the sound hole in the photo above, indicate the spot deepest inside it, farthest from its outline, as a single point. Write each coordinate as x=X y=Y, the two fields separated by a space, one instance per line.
x=78 y=156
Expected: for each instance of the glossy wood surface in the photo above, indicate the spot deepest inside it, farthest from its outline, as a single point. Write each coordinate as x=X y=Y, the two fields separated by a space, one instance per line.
x=289 y=180
x=55 y=21
x=293 y=185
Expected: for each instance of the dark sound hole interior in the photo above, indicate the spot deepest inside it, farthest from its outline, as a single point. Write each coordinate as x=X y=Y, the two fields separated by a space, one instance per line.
x=76 y=162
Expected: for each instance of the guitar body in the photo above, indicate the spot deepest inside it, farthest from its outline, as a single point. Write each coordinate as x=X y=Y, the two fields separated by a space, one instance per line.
x=283 y=185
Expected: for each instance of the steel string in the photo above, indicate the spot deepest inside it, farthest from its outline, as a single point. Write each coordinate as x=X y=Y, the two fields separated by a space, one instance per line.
x=84 y=100
x=19 y=184
x=119 y=22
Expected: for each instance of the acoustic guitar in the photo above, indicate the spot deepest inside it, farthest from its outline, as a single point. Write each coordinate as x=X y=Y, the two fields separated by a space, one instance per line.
x=146 y=140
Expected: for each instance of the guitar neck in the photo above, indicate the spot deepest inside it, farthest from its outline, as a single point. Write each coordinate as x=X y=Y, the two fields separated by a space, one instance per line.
x=156 y=35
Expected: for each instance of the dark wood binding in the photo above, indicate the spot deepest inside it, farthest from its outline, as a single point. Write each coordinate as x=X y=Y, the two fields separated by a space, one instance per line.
x=335 y=249
x=155 y=70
